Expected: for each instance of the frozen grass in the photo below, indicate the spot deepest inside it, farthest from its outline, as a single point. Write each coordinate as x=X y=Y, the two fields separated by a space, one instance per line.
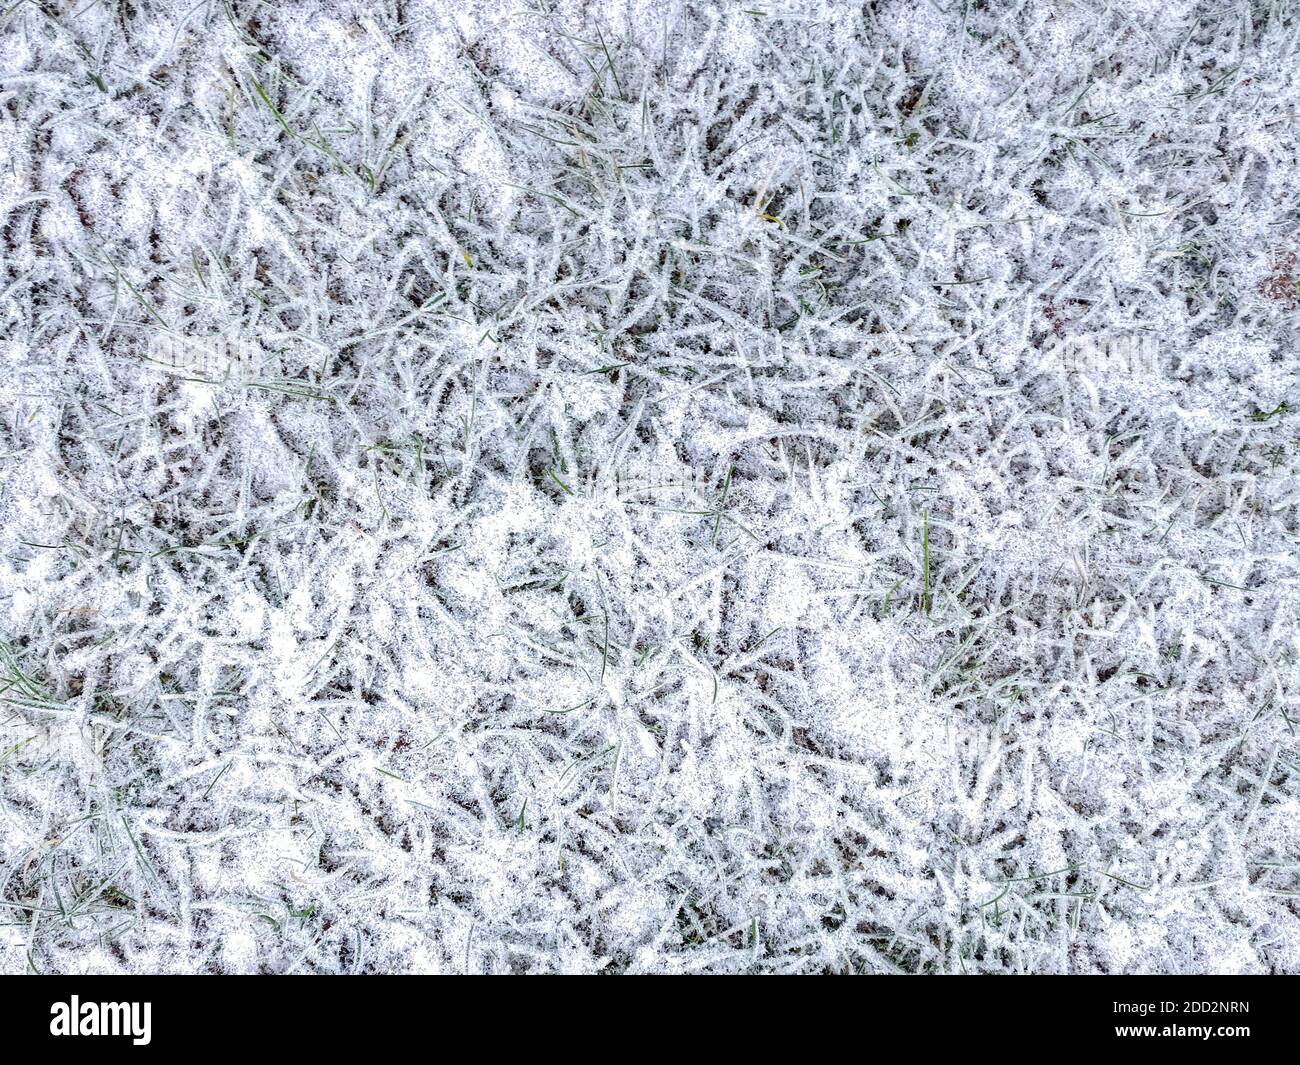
x=646 y=529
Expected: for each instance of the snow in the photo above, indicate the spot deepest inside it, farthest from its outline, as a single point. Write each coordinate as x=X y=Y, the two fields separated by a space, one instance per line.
x=649 y=487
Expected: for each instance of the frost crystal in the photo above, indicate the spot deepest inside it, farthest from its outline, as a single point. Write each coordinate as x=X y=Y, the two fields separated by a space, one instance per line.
x=649 y=487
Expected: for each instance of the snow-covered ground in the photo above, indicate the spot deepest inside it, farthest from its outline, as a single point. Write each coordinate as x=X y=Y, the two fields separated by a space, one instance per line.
x=649 y=487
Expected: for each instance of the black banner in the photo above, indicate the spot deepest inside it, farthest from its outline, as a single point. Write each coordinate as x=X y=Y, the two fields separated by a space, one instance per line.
x=1031 y=1014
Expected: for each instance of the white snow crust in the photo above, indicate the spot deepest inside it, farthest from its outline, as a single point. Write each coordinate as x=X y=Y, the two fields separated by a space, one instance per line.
x=644 y=487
